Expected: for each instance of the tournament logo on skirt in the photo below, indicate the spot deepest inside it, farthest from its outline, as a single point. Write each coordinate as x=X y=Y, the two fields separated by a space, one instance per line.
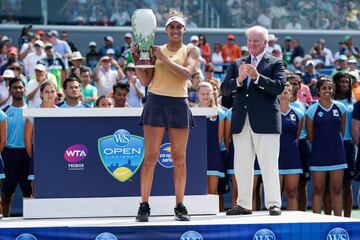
x=121 y=154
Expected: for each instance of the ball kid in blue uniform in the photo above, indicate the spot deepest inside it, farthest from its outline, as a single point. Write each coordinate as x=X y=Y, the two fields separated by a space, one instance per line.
x=48 y=95
x=343 y=94
x=303 y=143
x=223 y=185
x=16 y=160
x=290 y=166
x=325 y=124
x=214 y=162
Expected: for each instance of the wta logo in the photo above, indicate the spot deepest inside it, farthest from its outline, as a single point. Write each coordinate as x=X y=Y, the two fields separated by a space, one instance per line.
x=26 y=236
x=121 y=154
x=106 y=236
x=191 y=235
x=338 y=234
x=75 y=153
x=264 y=234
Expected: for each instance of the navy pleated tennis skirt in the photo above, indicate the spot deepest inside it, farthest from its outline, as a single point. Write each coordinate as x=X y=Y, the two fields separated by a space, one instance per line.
x=165 y=111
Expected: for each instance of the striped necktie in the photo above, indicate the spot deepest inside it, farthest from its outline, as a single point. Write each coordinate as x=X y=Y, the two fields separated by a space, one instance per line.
x=254 y=63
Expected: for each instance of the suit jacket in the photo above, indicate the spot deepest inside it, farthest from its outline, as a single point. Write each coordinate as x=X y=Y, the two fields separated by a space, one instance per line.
x=260 y=101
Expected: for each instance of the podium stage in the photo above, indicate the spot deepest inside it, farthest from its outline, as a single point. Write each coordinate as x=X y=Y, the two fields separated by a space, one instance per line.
x=259 y=226
x=87 y=164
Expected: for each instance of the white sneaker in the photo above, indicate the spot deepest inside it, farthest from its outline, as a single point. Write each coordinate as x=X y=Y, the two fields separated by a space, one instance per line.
x=1 y=216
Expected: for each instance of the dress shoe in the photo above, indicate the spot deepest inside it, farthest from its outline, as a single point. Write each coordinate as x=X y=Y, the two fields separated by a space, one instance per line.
x=274 y=211
x=238 y=210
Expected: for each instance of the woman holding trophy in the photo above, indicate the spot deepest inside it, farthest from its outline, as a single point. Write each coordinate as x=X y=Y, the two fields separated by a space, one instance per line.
x=166 y=107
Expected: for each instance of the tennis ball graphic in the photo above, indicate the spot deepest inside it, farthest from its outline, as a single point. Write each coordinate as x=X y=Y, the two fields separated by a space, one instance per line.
x=122 y=173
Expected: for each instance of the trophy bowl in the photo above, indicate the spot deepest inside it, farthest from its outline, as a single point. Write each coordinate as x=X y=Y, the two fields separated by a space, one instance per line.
x=143 y=23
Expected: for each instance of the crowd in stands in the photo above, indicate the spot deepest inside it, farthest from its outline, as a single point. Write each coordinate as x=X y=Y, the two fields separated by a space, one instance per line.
x=272 y=14
x=105 y=76
x=280 y=14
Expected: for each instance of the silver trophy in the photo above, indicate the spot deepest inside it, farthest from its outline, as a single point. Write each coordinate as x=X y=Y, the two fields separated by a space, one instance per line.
x=143 y=23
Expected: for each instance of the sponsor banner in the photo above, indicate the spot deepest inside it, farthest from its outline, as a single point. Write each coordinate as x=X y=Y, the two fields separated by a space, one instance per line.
x=285 y=231
x=121 y=154
x=102 y=157
x=165 y=159
x=74 y=156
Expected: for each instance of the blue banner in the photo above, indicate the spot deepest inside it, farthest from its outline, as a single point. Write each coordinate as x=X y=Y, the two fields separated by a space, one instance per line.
x=295 y=231
x=102 y=156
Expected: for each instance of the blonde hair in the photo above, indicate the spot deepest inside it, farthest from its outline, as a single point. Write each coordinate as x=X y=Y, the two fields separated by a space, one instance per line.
x=215 y=83
x=175 y=12
x=205 y=84
x=213 y=102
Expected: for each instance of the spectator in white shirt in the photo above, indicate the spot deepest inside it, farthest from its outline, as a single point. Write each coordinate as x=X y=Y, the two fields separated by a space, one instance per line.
x=33 y=86
x=32 y=58
x=28 y=47
x=105 y=77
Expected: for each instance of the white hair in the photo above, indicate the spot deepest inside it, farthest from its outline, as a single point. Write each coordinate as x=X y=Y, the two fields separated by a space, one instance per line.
x=258 y=29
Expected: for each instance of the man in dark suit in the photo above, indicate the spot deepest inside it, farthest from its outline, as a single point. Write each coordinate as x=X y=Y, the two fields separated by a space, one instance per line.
x=256 y=81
